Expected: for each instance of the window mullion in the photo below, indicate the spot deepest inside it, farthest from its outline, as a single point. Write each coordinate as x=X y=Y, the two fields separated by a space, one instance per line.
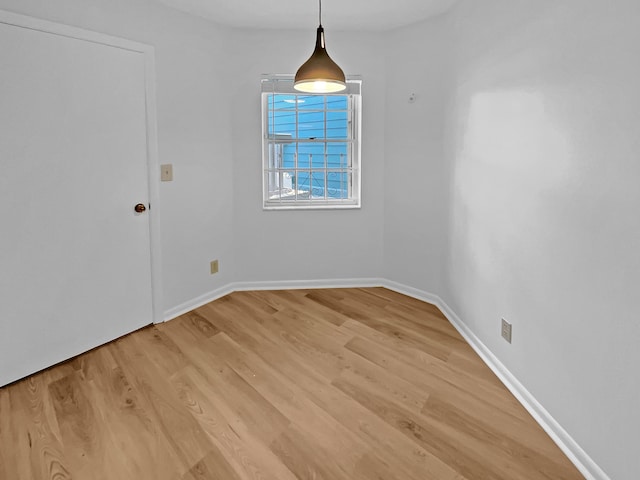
x=325 y=147
x=295 y=164
x=310 y=176
x=351 y=150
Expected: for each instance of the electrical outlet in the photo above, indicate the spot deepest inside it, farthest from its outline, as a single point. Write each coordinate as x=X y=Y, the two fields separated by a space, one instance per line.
x=214 y=266
x=506 y=330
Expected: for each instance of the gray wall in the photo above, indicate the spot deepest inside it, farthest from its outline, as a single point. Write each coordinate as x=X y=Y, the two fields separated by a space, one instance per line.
x=305 y=245
x=543 y=142
x=415 y=170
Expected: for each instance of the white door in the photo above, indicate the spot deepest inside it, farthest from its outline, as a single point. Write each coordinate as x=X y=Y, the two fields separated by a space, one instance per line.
x=75 y=268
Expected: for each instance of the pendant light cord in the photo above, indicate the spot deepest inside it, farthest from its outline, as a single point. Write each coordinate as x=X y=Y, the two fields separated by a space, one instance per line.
x=320 y=12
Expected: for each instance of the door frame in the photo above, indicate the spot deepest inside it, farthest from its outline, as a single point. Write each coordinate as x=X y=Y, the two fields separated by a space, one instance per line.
x=153 y=164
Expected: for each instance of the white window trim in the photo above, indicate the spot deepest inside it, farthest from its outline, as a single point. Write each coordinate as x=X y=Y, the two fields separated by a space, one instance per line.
x=284 y=84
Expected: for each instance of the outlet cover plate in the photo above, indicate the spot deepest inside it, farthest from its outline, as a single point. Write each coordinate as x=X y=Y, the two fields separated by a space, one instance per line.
x=214 y=267
x=506 y=330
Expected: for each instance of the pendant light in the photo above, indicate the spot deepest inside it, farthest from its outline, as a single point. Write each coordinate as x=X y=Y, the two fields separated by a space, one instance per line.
x=320 y=74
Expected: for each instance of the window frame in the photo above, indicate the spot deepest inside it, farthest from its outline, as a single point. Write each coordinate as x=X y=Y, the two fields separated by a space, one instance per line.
x=283 y=84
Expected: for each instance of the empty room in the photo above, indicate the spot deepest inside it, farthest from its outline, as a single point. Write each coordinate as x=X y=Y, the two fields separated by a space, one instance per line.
x=319 y=239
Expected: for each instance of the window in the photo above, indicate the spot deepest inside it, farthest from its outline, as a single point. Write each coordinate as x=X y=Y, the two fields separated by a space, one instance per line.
x=311 y=146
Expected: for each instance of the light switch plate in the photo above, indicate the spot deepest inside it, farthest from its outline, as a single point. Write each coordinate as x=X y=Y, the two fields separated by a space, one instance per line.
x=166 y=172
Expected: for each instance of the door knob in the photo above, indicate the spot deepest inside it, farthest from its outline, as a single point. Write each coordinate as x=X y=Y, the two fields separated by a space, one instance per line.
x=140 y=208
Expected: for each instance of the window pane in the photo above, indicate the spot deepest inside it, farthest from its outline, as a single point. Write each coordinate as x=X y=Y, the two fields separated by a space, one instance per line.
x=281 y=184
x=337 y=102
x=311 y=155
x=337 y=155
x=311 y=102
x=337 y=124
x=311 y=125
x=303 y=185
x=318 y=184
x=282 y=124
x=288 y=155
x=284 y=102
x=337 y=184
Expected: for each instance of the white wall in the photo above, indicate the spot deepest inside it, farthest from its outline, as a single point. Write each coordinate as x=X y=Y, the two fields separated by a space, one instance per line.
x=310 y=244
x=522 y=204
x=415 y=212
x=544 y=138
x=193 y=129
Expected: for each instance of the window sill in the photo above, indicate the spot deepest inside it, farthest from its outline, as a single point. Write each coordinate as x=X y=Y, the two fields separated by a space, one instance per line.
x=312 y=206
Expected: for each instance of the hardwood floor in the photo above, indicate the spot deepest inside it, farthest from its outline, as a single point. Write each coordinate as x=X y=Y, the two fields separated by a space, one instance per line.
x=358 y=384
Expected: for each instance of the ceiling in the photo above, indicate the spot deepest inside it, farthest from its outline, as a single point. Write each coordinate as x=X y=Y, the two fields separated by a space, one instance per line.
x=370 y=15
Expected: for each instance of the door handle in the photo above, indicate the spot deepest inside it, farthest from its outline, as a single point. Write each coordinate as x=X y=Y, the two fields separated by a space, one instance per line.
x=140 y=208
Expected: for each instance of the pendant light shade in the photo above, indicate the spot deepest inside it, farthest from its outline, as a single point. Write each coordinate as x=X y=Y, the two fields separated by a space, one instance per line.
x=320 y=74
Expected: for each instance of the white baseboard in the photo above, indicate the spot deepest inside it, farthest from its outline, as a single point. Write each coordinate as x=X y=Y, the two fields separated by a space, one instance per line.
x=268 y=285
x=559 y=435
x=412 y=292
x=302 y=284
x=198 y=302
